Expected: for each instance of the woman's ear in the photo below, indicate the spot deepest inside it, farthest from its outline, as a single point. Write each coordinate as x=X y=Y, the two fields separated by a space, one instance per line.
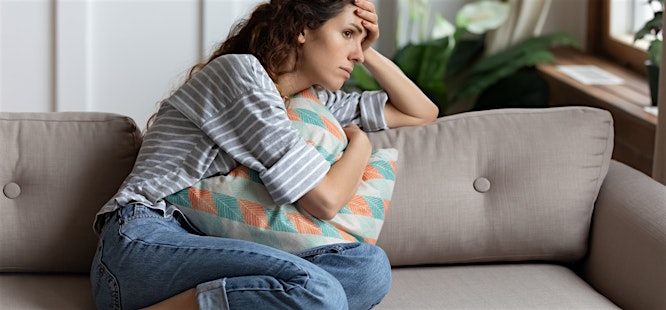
x=301 y=36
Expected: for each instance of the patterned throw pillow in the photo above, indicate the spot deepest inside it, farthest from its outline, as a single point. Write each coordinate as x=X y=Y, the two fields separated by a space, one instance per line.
x=238 y=206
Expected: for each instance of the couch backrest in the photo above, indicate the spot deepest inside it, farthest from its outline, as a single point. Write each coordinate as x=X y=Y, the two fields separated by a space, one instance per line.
x=56 y=171
x=500 y=185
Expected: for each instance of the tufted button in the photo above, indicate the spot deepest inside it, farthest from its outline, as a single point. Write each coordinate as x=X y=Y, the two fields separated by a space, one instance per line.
x=12 y=190
x=482 y=185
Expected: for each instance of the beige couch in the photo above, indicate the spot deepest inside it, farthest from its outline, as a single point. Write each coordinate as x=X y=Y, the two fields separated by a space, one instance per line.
x=505 y=209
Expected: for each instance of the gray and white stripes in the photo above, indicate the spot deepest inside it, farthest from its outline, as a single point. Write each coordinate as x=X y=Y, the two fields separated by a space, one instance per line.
x=230 y=112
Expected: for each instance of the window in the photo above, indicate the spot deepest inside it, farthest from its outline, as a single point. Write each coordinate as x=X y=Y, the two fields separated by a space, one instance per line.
x=611 y=28
x=628 y=16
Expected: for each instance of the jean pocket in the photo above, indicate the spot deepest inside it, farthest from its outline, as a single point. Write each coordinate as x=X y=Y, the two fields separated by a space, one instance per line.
x=336 y=248
x=104 y=284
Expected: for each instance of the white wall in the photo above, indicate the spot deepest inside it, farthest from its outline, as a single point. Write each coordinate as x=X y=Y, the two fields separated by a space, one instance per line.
x=120 y=56
x=124 y=56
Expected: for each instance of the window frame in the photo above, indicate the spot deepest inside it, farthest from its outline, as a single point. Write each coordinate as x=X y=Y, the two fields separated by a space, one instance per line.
x=600 y=42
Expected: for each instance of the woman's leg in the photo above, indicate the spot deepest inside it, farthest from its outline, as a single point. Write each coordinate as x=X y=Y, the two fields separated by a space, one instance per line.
x=363 y=270
x=144 y=258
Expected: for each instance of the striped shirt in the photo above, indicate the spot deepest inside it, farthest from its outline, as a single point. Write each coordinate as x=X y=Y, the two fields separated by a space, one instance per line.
x=231 y=113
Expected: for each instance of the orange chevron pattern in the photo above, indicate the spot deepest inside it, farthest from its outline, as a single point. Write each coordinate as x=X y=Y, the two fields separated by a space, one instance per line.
x=202 y=200
x=359 y=206
x=309 y=94
x=333 y=129
x=240 y=172
x=226 y=208
x=386 y=202
x=254 y=214
x=371 y=172
x=347 y=236
x=303 y=224
x=293 y=116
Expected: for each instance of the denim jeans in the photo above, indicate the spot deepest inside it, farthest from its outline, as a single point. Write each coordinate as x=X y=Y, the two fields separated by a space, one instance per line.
x=144 y=257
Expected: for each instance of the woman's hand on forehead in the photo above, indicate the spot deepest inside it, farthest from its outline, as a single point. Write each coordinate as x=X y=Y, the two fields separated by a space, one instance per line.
x=366 y=11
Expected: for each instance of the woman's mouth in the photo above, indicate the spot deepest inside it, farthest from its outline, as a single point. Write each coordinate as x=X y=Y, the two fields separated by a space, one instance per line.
x=348 y=71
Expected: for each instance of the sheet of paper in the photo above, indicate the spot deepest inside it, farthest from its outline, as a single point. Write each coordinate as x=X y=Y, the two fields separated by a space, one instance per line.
x=652 y=110
x=590 y=75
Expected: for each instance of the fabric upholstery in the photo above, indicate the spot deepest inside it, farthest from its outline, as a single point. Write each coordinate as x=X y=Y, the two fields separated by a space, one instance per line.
x=511 y=286
x=62 y=168
x=628 y=240
x=454 y=213
x=498 y=185
x=45 y=291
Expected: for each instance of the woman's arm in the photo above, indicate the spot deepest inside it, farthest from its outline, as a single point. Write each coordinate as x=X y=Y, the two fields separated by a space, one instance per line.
x=342 y=180
x=407 y=104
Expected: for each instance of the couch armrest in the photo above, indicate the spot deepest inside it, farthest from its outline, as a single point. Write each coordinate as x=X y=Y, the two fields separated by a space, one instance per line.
x=627 y=258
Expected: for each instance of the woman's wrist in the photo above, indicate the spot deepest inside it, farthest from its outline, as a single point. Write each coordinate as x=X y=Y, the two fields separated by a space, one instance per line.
x=372 y=58
x=358 y=141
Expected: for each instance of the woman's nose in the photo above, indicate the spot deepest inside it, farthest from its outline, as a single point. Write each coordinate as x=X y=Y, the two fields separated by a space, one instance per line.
x=357 y=54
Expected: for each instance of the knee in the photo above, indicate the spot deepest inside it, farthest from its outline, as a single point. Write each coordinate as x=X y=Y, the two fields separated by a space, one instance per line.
x=370 y=279
x=376 y=269
x=327 y=293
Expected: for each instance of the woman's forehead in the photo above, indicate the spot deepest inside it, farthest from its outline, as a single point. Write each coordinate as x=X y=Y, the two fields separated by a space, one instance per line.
x=348 y=17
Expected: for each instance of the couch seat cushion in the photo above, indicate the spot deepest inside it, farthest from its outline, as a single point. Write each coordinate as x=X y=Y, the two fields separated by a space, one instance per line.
x=511 y=286
x=45 y=291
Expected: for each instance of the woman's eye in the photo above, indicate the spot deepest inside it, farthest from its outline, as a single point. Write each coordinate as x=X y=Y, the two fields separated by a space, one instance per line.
x=347 y=33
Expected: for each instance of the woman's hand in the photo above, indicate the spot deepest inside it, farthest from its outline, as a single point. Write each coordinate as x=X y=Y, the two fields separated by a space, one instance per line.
x=366 y=11
x=354 y=133
x=407 y=105
x=341 y=182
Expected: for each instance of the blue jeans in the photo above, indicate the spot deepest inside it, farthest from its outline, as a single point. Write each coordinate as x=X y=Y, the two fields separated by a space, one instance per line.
x=144 y=257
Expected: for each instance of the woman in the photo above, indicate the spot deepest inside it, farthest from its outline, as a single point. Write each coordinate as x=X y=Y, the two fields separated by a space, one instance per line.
x=231 y=111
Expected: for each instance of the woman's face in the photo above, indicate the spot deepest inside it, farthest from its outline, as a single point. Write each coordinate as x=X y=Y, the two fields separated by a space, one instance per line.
x=328 y=54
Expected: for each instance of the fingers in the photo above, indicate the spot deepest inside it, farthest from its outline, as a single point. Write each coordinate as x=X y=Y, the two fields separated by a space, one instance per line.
x=366 y=5
x=350 y=130
x=367 y=10
x=370 y=20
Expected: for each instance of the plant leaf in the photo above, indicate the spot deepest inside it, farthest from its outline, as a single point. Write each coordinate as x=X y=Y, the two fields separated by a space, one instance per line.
x=523 y=89
x=479 y=81
x=408 y=59
x=652 y=26
x=464 y=54
x=528 y=46
x=424 y=61
x=361 y=80
x=654 y=52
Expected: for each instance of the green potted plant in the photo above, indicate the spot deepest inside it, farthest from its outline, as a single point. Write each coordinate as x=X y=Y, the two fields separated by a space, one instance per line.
x=449 y=66
x=428 y=60
x=651 y=31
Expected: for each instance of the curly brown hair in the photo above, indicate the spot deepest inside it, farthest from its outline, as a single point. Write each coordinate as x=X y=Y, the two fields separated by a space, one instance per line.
x=271 y=32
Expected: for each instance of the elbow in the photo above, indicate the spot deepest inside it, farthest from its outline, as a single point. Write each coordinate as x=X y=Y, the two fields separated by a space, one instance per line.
x=325 y=216
x=429 y=117
x=324 y=209
x=433 y=114
x=429 y=114
x=320 y=206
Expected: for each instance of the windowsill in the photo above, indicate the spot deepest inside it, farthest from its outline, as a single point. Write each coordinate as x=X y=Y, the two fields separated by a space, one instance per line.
x=634 y=126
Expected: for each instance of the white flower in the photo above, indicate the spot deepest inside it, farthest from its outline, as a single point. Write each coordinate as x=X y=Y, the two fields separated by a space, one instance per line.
x=418 y=15
x=442 y=28
x=479 y=17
